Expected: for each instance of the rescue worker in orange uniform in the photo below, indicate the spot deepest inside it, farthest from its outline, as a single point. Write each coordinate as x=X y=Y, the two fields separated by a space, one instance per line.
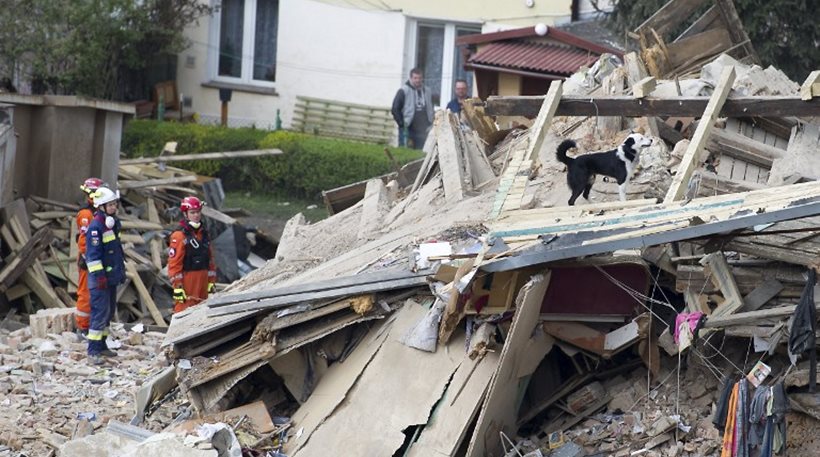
x=83 y=313
x=191 y=266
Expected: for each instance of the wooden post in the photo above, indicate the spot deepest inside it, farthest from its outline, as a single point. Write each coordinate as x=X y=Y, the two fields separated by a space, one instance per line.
x=690 y=159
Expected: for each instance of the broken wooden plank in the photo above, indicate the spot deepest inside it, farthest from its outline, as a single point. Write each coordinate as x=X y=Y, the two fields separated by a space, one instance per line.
x=202 y=156
x=718 y=270
x=670 y=15
x=752 y=317
x=24 y=258
x=155 y=244
x=735 y=27
x=628 y=106
x=690 y=160
x=644 y=87
x=450 y=159
x=743 y=147
x=762 y=294
x=73 y=253
x=126 y=185
x=500 y=412
x=145 y=296
x=540 y=126
x=811 y=86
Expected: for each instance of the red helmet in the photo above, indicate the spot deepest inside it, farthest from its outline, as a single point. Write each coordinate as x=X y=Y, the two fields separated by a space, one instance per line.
x=91 y=184
x=189 y=203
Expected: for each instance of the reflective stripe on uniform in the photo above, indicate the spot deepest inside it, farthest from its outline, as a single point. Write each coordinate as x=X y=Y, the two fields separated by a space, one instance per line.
x=95 y=335
x=106 y=331
x=82 y=313
x=95 y=265
x=108 y=236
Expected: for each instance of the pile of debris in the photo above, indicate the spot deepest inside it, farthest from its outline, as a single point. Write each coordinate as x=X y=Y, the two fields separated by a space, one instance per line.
x=40 y=242
x=451 y=316
x=468 y=311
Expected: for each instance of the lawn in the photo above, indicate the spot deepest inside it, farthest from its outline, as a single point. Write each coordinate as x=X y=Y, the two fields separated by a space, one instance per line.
x=280 y=208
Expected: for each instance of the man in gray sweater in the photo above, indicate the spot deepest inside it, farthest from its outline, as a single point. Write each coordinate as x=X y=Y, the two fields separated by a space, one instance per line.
x=413 y=111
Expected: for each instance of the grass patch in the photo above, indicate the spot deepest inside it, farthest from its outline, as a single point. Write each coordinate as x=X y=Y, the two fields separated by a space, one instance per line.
x=275 y=206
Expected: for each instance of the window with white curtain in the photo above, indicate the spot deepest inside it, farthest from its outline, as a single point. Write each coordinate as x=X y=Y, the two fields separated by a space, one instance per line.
x=246 y=51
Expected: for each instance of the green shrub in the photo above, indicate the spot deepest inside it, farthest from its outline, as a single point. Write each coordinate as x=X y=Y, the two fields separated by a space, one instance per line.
x=309 y=164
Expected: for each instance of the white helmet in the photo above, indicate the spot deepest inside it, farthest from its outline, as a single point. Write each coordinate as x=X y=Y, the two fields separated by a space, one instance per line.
x=105 y=195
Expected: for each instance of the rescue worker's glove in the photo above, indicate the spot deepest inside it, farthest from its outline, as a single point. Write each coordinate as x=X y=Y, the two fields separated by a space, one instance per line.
x=102 y=282
x=211 y=287
x=179 y=295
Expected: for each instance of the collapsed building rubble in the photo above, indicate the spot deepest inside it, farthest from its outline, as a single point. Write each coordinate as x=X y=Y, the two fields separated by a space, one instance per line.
x=470 y=312
x=546 y=328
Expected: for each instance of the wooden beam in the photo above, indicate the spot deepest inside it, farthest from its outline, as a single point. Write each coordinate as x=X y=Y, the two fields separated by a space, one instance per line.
x=449 y=159
x=704 y=22
x=24 y=258
x=125 y=185
x=579 y=105
x=811 y=86
x=743 y=148
x=720 y=273
x=690 y=158
x=145 y=296
x=736 y=30
x=636 y=71
x=753 y=317
x=156 y=244
x=543 y=120
x=644 y=87
x=73 y=253
x=202 y=156
x=762 y=294
x=670 y=15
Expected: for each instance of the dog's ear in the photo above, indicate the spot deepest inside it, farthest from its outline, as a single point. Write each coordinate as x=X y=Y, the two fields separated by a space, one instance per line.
x=629 y=141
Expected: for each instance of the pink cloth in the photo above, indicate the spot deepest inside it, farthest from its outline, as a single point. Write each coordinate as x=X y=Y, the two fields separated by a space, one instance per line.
x=690 y=318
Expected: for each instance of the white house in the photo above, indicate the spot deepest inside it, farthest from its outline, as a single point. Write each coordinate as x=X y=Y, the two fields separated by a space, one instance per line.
x=355 y=51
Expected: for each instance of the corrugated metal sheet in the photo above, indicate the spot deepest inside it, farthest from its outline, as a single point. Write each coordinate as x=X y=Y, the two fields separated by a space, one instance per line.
x=538 y=57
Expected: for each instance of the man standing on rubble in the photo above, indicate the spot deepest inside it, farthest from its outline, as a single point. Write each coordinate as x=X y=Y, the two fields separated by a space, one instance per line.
x=461 y=95
x=413 y=110
x=84 y=216
x=106 y=270
x=191 y=265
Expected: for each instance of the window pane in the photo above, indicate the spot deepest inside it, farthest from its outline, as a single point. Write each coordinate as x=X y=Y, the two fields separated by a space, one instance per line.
x=429 y=56
x=264 y=58
x=231 y=26
x=458 y=62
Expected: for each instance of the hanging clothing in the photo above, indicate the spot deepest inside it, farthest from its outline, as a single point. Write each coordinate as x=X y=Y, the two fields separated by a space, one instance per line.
x=804 y=326
x=722 y=410
x=758 y=416
x=742 y=420
x=728 y=448
x=692 y=320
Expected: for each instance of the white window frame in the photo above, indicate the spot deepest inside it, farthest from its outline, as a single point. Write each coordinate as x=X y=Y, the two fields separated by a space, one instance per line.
x=448 y=56
x=248 y=47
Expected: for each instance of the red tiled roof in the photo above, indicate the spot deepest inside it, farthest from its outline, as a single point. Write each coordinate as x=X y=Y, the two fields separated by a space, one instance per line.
x=537 y=57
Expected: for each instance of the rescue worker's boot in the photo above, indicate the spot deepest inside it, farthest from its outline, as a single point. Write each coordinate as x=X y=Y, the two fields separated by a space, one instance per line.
x=108 y=352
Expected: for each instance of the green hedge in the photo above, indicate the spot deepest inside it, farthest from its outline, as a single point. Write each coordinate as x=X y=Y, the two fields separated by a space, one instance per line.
x=309 y=164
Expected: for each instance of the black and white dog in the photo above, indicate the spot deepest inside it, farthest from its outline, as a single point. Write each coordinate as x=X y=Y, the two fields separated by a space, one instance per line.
x=618 y=163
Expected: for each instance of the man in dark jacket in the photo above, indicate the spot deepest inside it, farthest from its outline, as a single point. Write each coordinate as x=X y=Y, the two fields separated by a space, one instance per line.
x=413 y=110
x=106 y=270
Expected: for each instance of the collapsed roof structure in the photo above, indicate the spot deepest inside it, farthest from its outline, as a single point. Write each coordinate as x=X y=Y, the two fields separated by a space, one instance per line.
x=472 y=312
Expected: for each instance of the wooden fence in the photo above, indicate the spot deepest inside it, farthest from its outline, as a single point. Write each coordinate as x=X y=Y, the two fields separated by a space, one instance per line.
x=343 y=120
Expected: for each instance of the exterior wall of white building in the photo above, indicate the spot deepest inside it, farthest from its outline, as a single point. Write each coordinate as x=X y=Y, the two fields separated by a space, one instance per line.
x=340 y=51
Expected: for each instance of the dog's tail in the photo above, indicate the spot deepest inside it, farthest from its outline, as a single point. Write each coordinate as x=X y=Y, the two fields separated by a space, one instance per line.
x=561 y=153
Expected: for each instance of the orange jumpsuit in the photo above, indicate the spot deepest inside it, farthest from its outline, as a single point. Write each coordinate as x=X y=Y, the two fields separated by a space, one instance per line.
x=83 y=313
x=192 y=275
